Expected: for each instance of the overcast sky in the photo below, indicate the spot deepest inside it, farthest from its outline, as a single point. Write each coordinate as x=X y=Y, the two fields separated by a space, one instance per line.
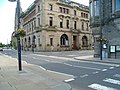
x=7 y=13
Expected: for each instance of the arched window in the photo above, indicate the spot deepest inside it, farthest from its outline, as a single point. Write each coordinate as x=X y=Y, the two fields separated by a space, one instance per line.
x=84 y=41
x=64 y=40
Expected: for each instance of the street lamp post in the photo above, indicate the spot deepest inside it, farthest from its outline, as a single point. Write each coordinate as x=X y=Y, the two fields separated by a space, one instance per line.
x=18 y=38
x=100 y=30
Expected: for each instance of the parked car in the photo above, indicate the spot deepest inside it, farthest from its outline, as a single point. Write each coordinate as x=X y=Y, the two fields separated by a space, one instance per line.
x=1 y=49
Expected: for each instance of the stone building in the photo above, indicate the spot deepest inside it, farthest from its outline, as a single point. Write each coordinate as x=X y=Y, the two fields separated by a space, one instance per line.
x=105 y=13
x=55 y=25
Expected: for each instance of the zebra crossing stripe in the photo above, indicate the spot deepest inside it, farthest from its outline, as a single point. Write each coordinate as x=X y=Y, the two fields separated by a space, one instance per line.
x=112 y=81
x=100 y=87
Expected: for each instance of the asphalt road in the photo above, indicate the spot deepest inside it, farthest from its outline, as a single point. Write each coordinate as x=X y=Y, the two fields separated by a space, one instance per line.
x=87 y=75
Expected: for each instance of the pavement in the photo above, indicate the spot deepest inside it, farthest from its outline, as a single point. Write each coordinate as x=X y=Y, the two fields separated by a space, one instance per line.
x=104 y=60
x=31 y=77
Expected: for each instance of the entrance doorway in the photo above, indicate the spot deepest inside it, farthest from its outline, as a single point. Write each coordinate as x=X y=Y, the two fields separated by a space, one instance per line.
x=74 y=43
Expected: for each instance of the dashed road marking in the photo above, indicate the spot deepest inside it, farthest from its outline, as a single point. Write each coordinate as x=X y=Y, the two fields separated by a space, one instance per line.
x=117 y=65
x=100 y=87
x=69 y=80
x=104 y=70
x=87 y=67
x=113 y=81
x=95 y=72
x=82 y=67
x=67 y=64
x=111 y=68
x=86 y=75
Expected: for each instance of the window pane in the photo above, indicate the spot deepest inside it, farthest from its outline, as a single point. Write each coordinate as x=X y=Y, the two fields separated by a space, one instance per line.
x=91 y=9
x=96 y=7
x=50 y=21
x=117 y=6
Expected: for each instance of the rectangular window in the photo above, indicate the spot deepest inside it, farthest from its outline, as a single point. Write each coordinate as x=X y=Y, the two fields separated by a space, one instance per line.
x=50 y=7
x=60 y=9
x=51 y=41
x=82 y=25
x=91 y=9
x=38 y=8
x=34 y=24
x=67 y=11
x=29 y=27
x=86 y=15
x=75 y=24
x=81 y=14
x=51 y=21
x=38 y=21
x=96 y=7
x=67 y=24
x=75 y=12
x=87 y=26
x=63 y=10
x=39 y=41
x=117 y=4
x=61 y=23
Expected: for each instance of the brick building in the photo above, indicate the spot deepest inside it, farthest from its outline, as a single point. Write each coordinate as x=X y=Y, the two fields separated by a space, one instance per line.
x=109 y=11
x=55 y=25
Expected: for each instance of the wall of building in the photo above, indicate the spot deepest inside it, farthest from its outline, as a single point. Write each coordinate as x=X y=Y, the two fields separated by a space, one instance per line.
x=39 y=19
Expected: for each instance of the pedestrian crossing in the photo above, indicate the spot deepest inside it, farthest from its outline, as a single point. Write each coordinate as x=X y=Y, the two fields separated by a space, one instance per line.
x=97 y=86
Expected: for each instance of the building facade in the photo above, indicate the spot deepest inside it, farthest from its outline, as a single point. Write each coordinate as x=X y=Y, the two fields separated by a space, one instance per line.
x=55 y=25
x=105 y=26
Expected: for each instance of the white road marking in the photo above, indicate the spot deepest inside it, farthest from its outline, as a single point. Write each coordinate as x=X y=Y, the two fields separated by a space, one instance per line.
x=117 y=65
x=61 y=73
x=104 y=70
x=64 y=58
x=109 y=80
x=107 y=64
x=116 y=75
x=84 y=76
x=111 y=68
x=69 y=80
x=71 y=55
x=84 y=57
x=95 y=72
x=67 y=64
x=100 y=87
x=42 y=68
x=87 y=67
x=25 y=62
x=81 y=67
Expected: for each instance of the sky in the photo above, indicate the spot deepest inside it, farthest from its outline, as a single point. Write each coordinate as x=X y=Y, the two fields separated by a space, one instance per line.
x=7 y=14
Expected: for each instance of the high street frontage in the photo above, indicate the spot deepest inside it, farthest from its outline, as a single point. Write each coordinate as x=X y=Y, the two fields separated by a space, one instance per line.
x=76 y=68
